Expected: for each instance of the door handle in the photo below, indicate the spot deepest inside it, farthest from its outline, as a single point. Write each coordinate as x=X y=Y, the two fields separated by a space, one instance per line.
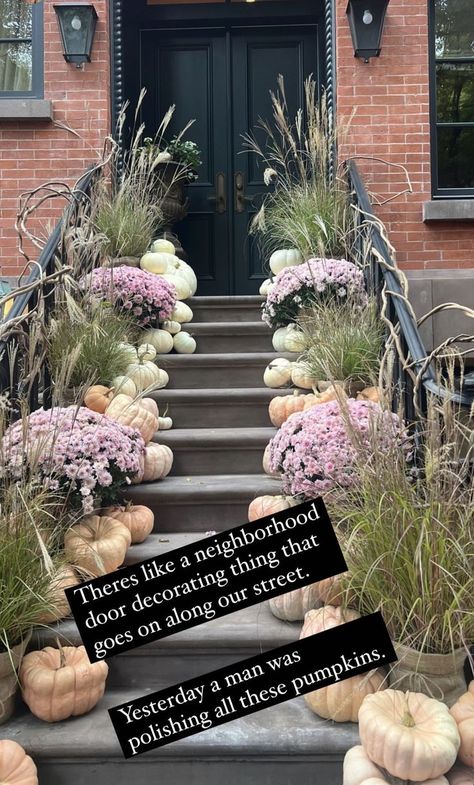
x=241 y=200
x=220 y=199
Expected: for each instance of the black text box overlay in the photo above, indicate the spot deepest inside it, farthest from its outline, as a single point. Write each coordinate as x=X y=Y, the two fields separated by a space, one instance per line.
x=251 y=685
x=206 y=580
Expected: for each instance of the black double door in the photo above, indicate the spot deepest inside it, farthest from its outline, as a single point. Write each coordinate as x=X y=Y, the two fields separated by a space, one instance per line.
x=222 y=77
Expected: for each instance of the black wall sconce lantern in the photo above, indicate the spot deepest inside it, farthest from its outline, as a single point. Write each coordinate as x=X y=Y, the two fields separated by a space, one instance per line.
x=77 y=23
x=366 y=20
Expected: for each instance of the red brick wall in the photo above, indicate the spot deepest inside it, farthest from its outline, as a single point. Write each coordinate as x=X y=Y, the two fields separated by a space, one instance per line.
x=391 y=122
x=32 y=152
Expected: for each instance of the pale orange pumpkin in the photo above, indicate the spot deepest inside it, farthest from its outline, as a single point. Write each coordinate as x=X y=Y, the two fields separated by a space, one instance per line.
x=266 y=462
x=369 y=394
x=359 y=770
x=294 y=605
x=150 y=405
x=410 y=735
x=16 y=767
x=97 y=398
x=125 y=410
x=340 y=701
x=461 y=775
x=138 y=519
x=61 y=683
x=283 y=406
x=157 y=462
x=330 y=590
x=267 y=505
x=463 y=713
x=97 y=544
x=63 y=579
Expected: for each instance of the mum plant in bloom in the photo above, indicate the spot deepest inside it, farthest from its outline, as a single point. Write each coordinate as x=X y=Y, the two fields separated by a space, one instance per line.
x=315 y=451
x=318 y=280
x=148 y=298
x=74 y=450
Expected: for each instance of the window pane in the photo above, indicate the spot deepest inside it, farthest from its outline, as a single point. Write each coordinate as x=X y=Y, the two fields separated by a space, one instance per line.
x=15 y=67
x=15 y=19
x=455 y=92
x=454 y=28
x=456 y=157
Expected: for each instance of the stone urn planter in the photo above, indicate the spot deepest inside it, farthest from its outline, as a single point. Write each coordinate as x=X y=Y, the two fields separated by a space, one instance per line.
x=172 y=181
x=10 y=662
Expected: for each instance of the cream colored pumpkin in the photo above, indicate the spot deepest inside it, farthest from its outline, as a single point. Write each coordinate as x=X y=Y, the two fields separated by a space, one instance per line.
x=293 y=605
x=284 y=258
x=163 y=246
x=184 y=343
x=144 y=374
x=410 y=735
x=279 y=339
x=463 y=713
x=151 y=406
x=161 y=340
x=97 y=544
x=460 y=775
x=359 y=770
x=63 y=579
x=182 y=268
x=153 y=262
x=268 y=505
x=61 y=683
x=278 y=373
x=183 y=289
x=266 y=463
x=341 y=701
x=165 y=423
x=16 y=767
x=130 y=351
x=301 y=378
x=157 y=462
x=126 y=411
x=266 y=287
x=123 y=385
x=138 y=519
x=182 y=313
x=171 y=327
x=295 y=341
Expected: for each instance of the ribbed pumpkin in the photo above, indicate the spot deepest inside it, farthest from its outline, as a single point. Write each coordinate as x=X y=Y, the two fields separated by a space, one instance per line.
x=157 y=462
x=161 y=340
x=138 y=519
x=359 y=770
x=267 y=505
x=151 y=406
x=283 y=406
x=266 y=463
x=122 y=385
x=16 y=767
x=341 y=701
x=63 y=579
x=410 y=735
x=125 y=410
x=463 y=713
x=461 y=775
x=97 y=398
x=294 y=605
x=330 y=590
x=98 y=544
x=61 y=683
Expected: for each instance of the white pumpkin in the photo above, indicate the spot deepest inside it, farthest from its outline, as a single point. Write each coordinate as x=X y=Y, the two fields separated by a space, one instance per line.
x=266 y=287
x=130 y=351
x=279 y=339
x=278 y=373
x=183 y=289
x=123 y=385
x=184 y=343
x=301 y=378
x=161 y=340
x=165 y=423
x=155 y=263
x=285 y=258
x=295 y=341
x=146 y=351
x=163 y=380
x=177 y=266
x=182 y=313
x=171 y=327
x=144 y=374
x=163 y=246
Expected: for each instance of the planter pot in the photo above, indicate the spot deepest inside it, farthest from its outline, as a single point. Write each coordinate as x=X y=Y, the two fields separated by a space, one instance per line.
x=121 y=261
x=171 y=188
x=439 y=676
x=9 y=665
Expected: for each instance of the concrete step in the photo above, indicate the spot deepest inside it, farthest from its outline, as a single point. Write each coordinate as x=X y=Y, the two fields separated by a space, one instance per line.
x=202 y=503
x=221 y=371
x=233 y=408
x=214 y=337
x=282 y=745
x=230 y=450
x=244 y=308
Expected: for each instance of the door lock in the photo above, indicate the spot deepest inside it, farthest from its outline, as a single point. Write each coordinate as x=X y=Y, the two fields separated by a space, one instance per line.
x=241 y=200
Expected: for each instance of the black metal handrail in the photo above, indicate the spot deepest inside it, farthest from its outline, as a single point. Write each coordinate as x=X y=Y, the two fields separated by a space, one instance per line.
x=10 y=375
x=372 y=249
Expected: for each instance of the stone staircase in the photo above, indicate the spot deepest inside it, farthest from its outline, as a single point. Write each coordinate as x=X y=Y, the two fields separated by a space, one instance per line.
x=219 y=407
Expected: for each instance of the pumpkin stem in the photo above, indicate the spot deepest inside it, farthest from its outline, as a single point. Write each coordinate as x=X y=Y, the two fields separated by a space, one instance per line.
x=128 y=506
x=407 y=719
x=62 y=656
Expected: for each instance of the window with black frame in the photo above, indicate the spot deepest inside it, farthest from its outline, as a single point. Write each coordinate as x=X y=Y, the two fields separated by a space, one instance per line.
x=21 y=49
x=453 y=99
